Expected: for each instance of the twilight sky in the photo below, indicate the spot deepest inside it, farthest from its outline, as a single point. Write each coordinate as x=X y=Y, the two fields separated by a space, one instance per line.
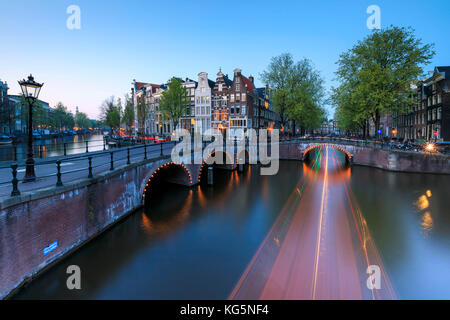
x=151 y=41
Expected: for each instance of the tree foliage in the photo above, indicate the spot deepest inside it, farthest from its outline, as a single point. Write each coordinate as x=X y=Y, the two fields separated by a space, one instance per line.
x=174 y=101
x=82 y=120
x=128 y=113
x=110 y=113
x=297 y=90
x=62 y=117
x=376 y=75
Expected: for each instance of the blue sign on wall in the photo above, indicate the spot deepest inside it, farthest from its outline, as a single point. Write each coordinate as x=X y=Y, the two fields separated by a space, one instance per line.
x=50 y=248
x=379 y=130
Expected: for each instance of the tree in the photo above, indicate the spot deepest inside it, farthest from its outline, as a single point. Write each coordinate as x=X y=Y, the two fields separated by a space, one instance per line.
x=174 y=101
x=110 y=113
x=277 y=77
x=62 y=117
x=307 y=96
x=376 y=75
x=128 y=113
x=82 y=120
x=142 y=109
x=7 y=115
x=297 y=90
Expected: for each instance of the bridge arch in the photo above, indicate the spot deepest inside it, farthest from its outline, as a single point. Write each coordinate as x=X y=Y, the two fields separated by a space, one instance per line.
x=228 y=163
x=349 y=156
x=171 y=172
x=243 y=155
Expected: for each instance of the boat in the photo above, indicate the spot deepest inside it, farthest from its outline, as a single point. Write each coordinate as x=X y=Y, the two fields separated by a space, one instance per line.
x=4 y=139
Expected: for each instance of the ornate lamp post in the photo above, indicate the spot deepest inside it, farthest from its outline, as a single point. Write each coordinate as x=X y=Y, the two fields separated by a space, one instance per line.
x=30 y=90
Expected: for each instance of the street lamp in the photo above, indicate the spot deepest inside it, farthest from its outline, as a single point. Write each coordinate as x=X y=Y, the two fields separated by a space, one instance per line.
x=30 y=90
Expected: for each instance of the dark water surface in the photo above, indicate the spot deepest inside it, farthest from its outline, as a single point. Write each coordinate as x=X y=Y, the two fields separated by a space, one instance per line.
x=196 y=243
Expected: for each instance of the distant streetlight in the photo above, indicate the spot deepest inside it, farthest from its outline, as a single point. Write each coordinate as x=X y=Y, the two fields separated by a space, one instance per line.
x=30 y=90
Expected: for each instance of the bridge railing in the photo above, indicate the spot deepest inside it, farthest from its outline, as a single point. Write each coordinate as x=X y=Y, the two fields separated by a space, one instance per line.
x=59 y=148
x=89 y=163
x=355 y=142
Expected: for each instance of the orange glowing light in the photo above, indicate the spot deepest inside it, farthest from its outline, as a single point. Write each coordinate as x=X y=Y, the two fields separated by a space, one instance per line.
x=422 y=203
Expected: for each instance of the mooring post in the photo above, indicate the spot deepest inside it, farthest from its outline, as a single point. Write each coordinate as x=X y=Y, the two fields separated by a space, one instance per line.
x=87 y=147
x=161 y=149
x=90 y=176
x=241 y=167
x=145 y=151
x=58 y=174
x=128 y=156
x=112 y=161
x=210 y=176
x=15 y=190
x=65 y=149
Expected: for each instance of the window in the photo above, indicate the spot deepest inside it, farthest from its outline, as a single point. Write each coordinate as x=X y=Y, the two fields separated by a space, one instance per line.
x=232 y=98
x=439 y=113
x=243 y=109
x=198 y=110
x=203 y=89
x=238 y=87
x=238 y=80
x=237 y=110
x=220 y=87
x=244 y=97
x=198 y=100
x=224 y=115
x=207 y=100
x=439 y=98
x=238 y=97
x=203 y=110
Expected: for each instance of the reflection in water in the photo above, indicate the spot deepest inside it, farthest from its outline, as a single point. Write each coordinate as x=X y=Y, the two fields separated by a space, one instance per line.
x=53 y=147
x=427 y=222
x=422 y=203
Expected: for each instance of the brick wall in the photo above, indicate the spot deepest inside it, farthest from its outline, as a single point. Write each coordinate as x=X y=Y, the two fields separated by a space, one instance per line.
x=70 y=215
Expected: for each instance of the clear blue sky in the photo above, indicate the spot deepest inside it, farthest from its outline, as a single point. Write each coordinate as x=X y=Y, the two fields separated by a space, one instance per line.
x=154 y=40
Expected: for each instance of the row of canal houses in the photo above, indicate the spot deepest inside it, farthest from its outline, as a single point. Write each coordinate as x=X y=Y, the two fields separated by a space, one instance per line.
x=222 y=104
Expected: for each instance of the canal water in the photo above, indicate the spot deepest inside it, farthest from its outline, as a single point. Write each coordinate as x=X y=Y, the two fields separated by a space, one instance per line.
x=197 y=243
x=53 y=147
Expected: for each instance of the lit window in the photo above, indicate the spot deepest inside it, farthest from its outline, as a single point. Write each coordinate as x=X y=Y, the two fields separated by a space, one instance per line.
x=244 y=97
x=232 y=98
